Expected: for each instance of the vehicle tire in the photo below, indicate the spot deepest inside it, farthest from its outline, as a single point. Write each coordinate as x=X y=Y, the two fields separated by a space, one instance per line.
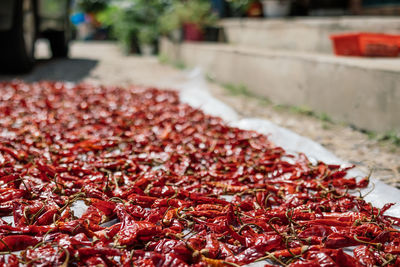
x=59 y=43
x=17 y=45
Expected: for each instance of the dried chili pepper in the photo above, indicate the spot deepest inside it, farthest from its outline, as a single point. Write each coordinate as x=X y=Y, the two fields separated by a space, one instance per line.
x=105 y=175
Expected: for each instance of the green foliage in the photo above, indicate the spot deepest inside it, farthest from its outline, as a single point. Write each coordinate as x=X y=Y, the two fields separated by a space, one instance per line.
x=134 y=19
x=198 y=12
x=239 y=7
x=238 y=89
x=92 y=6
x=180 y=65
x=107 y=16
x=389 y=137
x=194 y=11
x=305 y=110
x=123 y=28
x=145 y=20
x=163 y=59
x=392 y=137
x=371 y=134
x=324 y=117
x=170 y=20
x=148 y=34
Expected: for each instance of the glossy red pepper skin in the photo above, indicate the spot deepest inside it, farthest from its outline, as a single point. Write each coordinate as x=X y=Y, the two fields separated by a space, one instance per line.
x=11 y=194
x=112 y=176
x=18 y=242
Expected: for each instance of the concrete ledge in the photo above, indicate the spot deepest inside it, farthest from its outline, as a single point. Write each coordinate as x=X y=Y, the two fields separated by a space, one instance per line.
x=302 y=34
x=362 y=92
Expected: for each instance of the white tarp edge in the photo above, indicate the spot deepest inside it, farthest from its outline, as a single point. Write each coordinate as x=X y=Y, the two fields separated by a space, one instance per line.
x=196 y=94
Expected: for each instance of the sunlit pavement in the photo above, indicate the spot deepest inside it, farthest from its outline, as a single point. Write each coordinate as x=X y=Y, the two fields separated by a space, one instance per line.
x=100 y=62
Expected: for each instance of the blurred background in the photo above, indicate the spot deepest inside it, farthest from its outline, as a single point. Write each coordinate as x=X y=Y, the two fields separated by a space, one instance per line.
x=326 y=69
x=139 y=24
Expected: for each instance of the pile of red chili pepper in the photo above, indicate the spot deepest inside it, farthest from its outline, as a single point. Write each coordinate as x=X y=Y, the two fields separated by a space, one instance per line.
x=163 y=184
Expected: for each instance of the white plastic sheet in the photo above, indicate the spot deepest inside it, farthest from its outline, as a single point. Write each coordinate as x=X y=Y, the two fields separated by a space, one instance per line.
x=195 y=93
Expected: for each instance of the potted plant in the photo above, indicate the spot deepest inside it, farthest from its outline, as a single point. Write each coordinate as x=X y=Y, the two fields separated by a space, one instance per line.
x=170 y=23
x=147 y=38
x=196 y=16
x=254 y=9
x=276 y=8
x=238 y=8
x=190 y=16
x=133 y=23
x=125 y=28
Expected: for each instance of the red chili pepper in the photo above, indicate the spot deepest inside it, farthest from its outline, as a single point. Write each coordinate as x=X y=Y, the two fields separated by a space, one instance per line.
x=364 y=256
x=18 y=242
x=84 y=252
x=166 y=185
x=11 y=194
x=169 y=216
x=106 y=235
x=258 y=250
x=47 y=217
x=17 y=155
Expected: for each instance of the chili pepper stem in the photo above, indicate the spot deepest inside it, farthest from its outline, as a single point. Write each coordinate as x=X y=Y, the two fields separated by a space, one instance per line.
x=378 y=245
x=5 y=244
x=231 y=263
x=271 y=256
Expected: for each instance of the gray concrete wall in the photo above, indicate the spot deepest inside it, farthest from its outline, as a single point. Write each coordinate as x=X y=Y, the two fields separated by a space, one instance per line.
x=305 y=34
x=362 y=92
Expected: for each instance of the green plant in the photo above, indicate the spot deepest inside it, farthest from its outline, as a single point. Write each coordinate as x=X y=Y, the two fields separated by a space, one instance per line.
x=107 y=16
x=135 y=20
x=238 y=89
x=238 y=7
x=163 y=59
x=170 y=20
x=324 y=117
x=198 y=12
x=147 y=34
x=304 y=110
x=92 y=6
x=371 y=134
x=391 y=136
x=180 y=12
x=180 y=65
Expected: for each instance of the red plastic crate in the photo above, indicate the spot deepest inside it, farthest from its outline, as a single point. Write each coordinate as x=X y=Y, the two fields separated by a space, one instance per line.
x=192 y=32
x=366 y=44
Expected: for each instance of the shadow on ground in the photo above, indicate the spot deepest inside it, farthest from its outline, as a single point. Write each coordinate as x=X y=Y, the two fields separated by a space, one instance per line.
x=73 y=70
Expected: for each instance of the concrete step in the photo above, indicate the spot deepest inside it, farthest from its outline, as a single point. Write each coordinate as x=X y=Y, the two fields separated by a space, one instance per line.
x=361 y=91
x=302 y=34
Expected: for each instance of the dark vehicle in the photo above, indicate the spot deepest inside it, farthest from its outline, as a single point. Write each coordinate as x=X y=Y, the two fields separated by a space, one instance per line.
x=24 y=21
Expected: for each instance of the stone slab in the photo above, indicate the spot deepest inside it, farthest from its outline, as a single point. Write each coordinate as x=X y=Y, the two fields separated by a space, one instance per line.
x=302 y=34
x=362 y=92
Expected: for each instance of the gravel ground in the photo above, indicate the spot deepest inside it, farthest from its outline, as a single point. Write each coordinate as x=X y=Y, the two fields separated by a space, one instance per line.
x=103 y=63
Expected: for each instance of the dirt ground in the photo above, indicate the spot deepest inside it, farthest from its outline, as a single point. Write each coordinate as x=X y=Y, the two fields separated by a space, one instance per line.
x=382 y=158
x=103 y=63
